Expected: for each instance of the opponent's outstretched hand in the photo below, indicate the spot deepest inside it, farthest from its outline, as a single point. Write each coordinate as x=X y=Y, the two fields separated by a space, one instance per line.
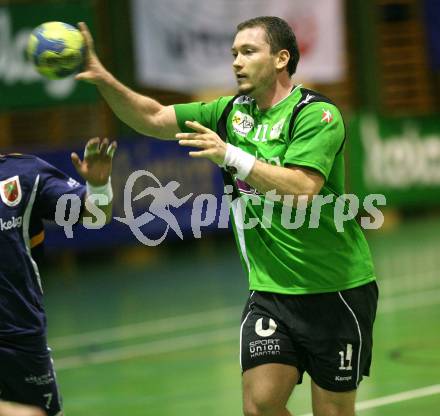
x=93 y=71
x=211 y=146
x=97 y=164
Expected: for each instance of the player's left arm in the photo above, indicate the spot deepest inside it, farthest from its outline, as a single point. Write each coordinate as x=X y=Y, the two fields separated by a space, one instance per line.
x=95 y=169
x=264 y=177
x=292 y=180
x=301 y=176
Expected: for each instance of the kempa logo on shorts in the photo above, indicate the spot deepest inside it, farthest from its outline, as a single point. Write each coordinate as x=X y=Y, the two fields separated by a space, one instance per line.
x=293 y=211
x=265 y=332
x=345 y=378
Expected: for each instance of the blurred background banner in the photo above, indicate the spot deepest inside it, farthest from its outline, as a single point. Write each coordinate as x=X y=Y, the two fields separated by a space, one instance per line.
x=165 y=163
x=189 y=49
x=20 y=85
x=399 y=157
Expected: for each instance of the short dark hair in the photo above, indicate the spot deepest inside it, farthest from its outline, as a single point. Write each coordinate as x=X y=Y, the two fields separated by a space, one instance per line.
x=279 y=36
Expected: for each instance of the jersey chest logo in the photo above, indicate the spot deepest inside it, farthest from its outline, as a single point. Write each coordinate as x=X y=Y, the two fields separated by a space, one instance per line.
x=10 y=191
x=242 y=123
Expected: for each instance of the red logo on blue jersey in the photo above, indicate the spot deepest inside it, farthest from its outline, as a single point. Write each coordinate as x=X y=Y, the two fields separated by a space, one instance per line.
x=10 y=191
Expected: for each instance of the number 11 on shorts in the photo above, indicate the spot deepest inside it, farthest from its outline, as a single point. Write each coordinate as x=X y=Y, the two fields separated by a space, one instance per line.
x=346 y=357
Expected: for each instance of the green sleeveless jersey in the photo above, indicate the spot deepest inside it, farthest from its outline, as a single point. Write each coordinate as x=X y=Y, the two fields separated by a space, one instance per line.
x=279 y=254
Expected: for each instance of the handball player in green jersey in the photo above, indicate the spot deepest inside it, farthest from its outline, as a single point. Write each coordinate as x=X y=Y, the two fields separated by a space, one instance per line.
x=313 y=294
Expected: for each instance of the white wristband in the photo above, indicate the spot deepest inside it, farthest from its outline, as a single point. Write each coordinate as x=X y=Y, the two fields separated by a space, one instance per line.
x=105 y=190
x=239 y=160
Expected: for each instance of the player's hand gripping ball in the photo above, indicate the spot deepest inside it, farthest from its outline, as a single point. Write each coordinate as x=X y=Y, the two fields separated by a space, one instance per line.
x=56 y=49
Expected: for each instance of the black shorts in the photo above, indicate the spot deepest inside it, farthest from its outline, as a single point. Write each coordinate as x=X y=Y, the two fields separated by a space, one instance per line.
x=329 y=335
x=29 y=378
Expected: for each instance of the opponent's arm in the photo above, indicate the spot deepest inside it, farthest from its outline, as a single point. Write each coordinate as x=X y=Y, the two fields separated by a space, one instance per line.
x=142 y=113
x=96 y=169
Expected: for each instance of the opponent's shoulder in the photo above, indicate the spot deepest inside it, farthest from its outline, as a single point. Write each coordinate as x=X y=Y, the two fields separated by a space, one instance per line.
x=16 y=156
x=18 y=162
x=23 y=164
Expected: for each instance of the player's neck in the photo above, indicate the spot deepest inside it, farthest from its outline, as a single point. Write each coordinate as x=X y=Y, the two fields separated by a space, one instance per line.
x=278 y=92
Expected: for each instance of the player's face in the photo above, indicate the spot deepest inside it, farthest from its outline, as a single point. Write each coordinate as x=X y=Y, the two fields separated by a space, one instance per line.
x=254 y=65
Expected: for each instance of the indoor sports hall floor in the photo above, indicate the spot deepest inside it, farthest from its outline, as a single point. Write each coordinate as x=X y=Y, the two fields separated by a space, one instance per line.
x=160 y=337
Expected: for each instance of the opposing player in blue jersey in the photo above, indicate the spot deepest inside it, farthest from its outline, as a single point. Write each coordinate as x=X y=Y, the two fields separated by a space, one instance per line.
x=29 y=191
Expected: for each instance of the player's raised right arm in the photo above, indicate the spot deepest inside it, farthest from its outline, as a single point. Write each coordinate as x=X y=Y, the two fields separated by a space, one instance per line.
x=145 y=115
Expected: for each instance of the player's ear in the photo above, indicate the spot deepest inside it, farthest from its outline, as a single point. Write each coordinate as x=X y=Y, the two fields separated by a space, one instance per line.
x=282 y=59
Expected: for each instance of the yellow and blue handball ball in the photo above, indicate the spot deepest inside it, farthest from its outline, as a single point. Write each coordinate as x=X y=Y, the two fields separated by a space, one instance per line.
x=56 y=49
